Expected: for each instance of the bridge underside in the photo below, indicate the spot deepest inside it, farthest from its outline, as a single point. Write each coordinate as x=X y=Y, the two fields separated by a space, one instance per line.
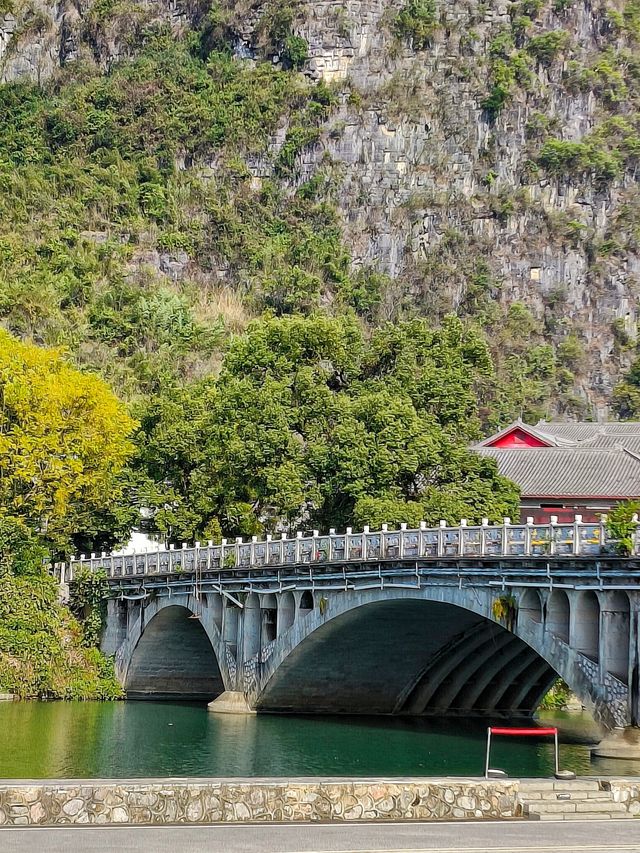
x=174 y=660
x=409 y=657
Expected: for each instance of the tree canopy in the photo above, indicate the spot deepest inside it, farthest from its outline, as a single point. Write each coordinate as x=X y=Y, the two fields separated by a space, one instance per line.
x=309 y=424
x=64 y=440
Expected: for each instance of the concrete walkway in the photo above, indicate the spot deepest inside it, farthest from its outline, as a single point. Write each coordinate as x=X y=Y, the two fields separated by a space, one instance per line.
x=609 y=836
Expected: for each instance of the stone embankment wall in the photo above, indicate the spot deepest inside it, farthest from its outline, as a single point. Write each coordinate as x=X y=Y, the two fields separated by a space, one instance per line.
x=211 y=801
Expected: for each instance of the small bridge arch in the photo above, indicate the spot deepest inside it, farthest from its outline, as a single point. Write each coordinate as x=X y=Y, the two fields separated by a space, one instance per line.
x=170 y=653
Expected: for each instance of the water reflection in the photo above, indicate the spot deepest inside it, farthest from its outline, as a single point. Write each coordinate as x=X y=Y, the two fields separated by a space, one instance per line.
x=133 y=739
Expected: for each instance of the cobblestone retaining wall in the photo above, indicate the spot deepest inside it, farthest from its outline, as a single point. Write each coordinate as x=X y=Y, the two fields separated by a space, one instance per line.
x=172 y=801
x=181 y=801
x=625 y=791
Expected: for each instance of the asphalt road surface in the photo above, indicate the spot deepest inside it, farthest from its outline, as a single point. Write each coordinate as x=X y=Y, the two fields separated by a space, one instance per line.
x=606 y=836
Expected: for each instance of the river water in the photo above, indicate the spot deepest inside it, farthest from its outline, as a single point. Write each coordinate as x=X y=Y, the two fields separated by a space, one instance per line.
x=132 y=739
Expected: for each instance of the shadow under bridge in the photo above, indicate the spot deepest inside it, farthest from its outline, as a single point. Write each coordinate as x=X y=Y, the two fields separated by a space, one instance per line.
x=402 y=656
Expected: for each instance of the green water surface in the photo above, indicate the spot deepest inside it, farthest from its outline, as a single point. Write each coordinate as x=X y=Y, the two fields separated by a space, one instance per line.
x=134 y=739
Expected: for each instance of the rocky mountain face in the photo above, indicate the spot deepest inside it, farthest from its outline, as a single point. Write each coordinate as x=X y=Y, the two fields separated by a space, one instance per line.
x=481 y=154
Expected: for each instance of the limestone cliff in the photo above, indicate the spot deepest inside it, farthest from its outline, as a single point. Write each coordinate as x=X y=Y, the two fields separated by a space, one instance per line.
x=484 y=153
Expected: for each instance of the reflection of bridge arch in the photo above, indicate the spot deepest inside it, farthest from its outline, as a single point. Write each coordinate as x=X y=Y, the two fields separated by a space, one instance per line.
x=437 y=650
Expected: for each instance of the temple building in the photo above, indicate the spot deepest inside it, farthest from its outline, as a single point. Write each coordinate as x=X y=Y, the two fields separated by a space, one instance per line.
x=568 y=468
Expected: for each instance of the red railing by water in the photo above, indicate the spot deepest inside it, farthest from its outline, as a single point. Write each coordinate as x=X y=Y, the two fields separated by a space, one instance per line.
x=521 y=732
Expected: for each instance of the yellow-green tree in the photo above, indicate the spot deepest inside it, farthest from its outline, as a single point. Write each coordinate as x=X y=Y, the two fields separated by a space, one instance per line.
x=64 y=440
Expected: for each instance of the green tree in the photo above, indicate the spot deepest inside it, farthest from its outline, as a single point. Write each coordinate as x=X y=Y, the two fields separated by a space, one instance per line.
x=311 y=424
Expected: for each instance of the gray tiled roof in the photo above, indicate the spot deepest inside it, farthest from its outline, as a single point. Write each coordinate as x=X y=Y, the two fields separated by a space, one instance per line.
x=593 y=433
x=570 y=471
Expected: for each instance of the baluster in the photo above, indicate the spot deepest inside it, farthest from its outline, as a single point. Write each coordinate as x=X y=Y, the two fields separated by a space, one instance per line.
x=577 y=523
x=298 y=555
x=236 y=546
x=332 y=533
x=209 y=554
x=315 y=546
x=171 y=558
x=383 y=541
x=252 y=552
x=553 y=520
x=422 y=539
x=401 y=542
x=527 y=536
x=441 y=537
x=461 y=531
x=602 y=532
x=506 y=522
x=365 y=531
x=483 y=536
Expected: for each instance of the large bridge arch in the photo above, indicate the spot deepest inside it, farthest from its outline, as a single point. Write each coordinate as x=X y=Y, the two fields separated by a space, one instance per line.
x=432 y=650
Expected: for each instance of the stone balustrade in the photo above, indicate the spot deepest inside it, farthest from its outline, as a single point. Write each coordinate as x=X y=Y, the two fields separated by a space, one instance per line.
x=485 y=541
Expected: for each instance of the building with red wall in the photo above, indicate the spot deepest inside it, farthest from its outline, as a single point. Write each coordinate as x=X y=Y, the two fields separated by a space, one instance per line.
x=568 y=468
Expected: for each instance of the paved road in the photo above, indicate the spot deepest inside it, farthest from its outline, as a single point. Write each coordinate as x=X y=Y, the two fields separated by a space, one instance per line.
x=606 y=836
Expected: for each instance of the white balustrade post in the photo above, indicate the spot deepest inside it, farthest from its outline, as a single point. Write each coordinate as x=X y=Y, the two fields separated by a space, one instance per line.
x=171 y=559
x=577 y=522
x=463 y=524
x=365 y=531
x=443 y=526
x=252 y=552
x=209 y=554
x=237 y=550
x=332 y=533
x=506 y=523
x=553 y=521
x=527 y=536
x=422 y=539
x=223 y=556
x=384 y=529
x=401 y=537
x=298 y=546
x=483 y=536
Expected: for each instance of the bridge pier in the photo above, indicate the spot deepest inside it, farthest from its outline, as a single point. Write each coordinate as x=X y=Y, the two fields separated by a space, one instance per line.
x=623 y=743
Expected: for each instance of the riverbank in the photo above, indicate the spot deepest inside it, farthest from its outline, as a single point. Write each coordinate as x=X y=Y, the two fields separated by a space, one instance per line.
x=203 y=801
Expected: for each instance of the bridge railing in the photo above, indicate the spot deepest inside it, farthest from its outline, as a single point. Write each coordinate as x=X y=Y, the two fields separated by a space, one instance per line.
x=488 y=541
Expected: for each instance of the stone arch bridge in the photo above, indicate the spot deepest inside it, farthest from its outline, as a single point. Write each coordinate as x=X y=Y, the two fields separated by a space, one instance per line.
x=441 y=621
